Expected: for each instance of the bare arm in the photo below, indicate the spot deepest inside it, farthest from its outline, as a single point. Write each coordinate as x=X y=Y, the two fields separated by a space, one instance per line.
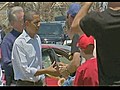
x=83 y=11
x=54 y=71
x=73 y=65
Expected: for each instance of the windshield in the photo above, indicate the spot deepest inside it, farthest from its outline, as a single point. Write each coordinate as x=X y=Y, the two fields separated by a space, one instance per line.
x=50 y=28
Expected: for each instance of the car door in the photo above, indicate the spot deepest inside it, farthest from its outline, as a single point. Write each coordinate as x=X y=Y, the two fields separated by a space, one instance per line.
x=49 y=56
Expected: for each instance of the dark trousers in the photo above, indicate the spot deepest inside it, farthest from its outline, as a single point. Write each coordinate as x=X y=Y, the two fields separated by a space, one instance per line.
x=28 y=83
x=9 y=80
x=9 y=74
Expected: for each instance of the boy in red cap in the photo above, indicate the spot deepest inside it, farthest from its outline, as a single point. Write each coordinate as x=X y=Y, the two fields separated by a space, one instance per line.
x=87 y=73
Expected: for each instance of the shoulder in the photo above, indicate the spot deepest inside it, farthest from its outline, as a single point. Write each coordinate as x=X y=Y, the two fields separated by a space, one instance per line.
x=19 y=40
x=7 y=38
x=91 y=65
x=8 y=35
x=95 y=16
x=91 y=61
x=91 y=15
x=88 y=64
x=81 y=68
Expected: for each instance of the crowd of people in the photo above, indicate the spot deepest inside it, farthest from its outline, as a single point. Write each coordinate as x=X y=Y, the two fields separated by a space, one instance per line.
x=94 y=48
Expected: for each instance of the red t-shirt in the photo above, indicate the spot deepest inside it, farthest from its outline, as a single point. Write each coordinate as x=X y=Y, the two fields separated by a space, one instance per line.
x=87 y=74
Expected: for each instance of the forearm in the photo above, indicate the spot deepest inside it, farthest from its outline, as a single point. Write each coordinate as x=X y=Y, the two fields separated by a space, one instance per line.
x=72 y=67
x=82 y=12
x=41 y=71
x=51 y=70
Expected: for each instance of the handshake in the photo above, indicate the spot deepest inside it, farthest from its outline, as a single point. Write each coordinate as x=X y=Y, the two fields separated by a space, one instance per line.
x=63 y=73
x=61 y=69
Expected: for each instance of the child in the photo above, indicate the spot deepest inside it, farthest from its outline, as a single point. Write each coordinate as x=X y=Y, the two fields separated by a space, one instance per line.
x=87 y=73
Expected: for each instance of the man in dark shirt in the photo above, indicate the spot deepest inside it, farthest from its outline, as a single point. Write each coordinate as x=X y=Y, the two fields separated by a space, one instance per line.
x=105 y=27
x=15 y=17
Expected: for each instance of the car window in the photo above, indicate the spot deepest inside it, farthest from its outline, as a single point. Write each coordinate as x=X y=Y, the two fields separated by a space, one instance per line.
x=50 y=28
x=63 y=59
x=47 y=60
x=63 y=55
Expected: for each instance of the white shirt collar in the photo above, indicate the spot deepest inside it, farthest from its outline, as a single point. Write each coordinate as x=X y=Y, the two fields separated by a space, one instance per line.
x=27 y=37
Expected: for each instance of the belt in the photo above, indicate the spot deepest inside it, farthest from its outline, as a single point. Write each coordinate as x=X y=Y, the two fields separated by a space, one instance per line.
x=22 y=82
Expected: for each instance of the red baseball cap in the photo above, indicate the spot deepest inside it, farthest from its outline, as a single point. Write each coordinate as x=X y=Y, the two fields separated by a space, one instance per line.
x=84 y=41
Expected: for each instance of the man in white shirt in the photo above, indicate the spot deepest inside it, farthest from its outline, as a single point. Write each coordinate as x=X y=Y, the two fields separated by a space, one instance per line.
x=27 y=55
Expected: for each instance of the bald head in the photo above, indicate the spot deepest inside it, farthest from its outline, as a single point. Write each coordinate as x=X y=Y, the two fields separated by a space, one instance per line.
x=113 y=4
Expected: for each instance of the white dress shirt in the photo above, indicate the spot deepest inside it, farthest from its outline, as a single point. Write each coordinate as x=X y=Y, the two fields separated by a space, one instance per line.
x=26 y=57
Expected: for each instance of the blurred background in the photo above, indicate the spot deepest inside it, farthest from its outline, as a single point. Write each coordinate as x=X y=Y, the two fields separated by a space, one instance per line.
x=49 y=11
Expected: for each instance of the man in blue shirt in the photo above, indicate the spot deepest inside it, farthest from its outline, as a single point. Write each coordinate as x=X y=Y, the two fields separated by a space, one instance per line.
x=15 y=17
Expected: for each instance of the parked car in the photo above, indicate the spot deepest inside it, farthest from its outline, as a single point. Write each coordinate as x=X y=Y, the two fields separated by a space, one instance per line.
x=50 y=53
x=51 y=33
x=67 y=42
x=60 y=18
x=61 y=22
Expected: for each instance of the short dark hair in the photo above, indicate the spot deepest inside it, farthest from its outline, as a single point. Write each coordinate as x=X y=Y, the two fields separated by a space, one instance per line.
x=29 y=15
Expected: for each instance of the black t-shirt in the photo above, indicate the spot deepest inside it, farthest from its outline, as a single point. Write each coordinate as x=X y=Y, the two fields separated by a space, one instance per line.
x=105 y=27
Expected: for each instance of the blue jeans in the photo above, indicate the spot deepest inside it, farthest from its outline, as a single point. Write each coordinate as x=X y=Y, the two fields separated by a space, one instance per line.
x=68 y=81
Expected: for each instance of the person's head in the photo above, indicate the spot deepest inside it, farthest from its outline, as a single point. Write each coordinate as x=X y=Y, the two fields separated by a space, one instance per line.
x=15 y=17
x=32 y=22
x=86 y=44
x=71 y=13
x=113 y=4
